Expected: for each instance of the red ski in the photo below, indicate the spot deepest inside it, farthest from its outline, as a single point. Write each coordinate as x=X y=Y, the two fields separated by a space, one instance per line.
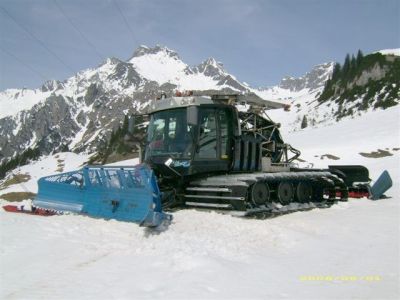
x=34 y=211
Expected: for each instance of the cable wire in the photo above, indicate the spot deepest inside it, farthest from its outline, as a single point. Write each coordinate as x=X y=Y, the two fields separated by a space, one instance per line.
x=36 y=39
x=78 y=30
x=25 y=64
x=125 y=20
x=130 y=30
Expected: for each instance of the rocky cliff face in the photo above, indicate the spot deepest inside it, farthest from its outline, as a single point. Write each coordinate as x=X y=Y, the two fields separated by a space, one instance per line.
x=312 y=80
x=294 y=87
x=369 y=83
x=81 y=111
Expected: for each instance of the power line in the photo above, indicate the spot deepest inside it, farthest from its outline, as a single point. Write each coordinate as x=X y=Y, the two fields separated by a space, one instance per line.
x=36 y=39
x=129 y=28
x=79 y=31
x=25 y=64
x=125 y=20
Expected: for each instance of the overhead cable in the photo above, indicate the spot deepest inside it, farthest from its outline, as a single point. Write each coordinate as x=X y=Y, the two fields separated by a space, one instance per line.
x=36 y=39
x=125 y=20
x=78 y=30
x=25 y=64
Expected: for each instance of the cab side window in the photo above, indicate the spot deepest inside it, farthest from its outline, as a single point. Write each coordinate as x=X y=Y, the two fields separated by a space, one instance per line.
x=208 y=134
x=224 y=135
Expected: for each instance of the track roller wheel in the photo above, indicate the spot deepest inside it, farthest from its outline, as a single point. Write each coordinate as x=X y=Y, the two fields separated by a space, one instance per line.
x=285 y=192
x=344 y=194
x=304 y=192
x=259 y=193
x=318 y=194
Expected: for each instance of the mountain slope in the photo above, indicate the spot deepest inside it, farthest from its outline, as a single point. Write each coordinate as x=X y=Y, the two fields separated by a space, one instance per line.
x=370 y=84
x=364 y=82
x=82 y=111
x=290 y=87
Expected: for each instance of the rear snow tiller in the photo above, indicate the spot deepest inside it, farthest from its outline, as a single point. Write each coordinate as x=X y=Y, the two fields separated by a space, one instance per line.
x=124 y=193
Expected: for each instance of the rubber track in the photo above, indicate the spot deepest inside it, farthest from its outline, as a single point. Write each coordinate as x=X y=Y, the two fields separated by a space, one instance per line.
x=244 y=181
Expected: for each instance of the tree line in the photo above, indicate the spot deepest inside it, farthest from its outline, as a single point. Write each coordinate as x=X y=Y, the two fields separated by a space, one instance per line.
x=19 y=160
x=342 y=74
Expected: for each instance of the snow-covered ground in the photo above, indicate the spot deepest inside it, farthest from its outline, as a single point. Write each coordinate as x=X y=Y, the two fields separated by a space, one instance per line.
x=52 y=164
x=349 y=251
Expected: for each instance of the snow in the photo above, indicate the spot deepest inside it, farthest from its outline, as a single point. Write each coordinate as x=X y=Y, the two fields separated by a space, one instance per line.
x=17 y=129
x=369 y=132
x=45 y=166
x=353 y=246
x=305 y=103
x=12 y=101
x=78 y=136
x=349 y=251
x=390 y=52
x=160 y=66
x=163 y=67
x=278 y=93
x=127 y=162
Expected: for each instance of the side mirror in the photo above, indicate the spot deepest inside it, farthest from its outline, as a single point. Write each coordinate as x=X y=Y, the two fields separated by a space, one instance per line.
x=192 y=115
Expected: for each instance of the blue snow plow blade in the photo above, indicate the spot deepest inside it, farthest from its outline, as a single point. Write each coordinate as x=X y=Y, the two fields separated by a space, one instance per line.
x=122 y=193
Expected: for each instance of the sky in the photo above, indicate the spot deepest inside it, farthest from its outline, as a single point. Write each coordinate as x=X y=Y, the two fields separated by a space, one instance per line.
x=258 y=41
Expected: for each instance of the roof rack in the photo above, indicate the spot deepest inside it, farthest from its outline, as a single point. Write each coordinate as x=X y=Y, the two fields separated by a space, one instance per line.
x=249 y=99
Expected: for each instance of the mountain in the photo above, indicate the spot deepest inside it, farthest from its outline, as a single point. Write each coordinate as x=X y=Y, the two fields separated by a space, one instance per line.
x=290 y=87
x=364 y=82
x=163 y=65
x=81 y=111
x=331 y=92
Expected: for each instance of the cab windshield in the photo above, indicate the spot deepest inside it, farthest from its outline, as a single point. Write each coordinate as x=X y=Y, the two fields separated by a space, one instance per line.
x=169 y=134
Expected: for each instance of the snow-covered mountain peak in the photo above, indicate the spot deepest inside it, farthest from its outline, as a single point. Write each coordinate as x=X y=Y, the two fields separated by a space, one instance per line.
x=210 y=67
x=86 y=107
x=144 y=50
x=294 y=87
x=312 y=80
x=112 y=61
x=163 y=65
x=311 y=83
x=159 y=64
x=51 y=85
x=212 y=62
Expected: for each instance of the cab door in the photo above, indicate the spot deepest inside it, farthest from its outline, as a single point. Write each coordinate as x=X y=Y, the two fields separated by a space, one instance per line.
x=213 y=149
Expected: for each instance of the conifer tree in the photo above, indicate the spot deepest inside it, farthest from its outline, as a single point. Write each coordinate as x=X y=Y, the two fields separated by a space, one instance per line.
x=125 y=125
x=360 y=57
x=353 y=62
x=346 y=65
x=19 y=160
x=304 y=122
x=336 y=71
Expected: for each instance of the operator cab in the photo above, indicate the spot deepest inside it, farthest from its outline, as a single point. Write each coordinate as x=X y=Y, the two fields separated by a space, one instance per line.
x=191 y=135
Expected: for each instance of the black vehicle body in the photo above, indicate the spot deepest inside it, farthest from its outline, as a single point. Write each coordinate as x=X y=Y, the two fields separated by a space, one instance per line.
x=207 y=153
